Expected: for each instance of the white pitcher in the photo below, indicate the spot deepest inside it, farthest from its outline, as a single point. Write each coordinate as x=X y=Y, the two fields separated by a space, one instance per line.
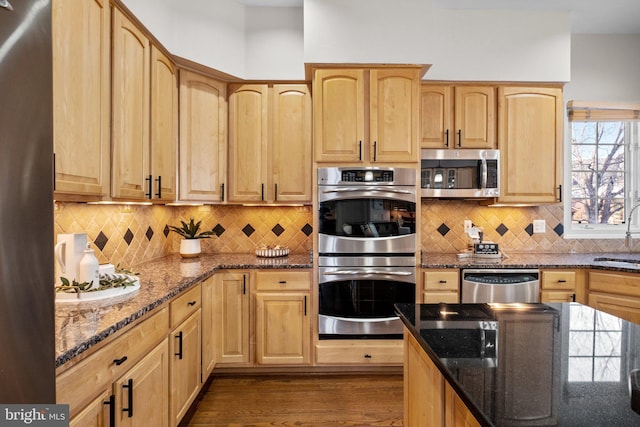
x=69 y=250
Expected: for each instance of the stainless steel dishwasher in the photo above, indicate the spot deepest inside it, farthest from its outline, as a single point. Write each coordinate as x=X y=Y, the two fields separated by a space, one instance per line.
x=500 y=285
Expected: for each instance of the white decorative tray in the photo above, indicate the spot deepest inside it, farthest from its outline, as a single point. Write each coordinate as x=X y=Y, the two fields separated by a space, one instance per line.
x=272 y=252
x=102 y=294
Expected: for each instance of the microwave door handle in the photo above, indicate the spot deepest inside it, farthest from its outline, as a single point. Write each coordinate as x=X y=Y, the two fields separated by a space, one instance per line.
x=484 y=173
x=365 y=272
x=360 y=189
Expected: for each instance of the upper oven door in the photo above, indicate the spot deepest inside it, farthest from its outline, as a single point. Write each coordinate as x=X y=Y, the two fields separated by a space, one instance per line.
x=366 y=221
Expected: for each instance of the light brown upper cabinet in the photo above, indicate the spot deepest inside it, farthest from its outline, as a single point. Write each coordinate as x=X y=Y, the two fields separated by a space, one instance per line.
x=81 y=93
x=130 y=110
x=530 y=142
x=366 y=115
x=203 y=138
x=457 y=116
x=164 y=126
x=144 y=116
x=270 y=143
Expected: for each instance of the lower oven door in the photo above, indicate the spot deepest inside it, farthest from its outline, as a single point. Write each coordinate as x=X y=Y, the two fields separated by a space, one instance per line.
x=358 y=302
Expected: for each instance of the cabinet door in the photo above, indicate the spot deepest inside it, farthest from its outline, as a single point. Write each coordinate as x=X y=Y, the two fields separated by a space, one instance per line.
x=290 y=144
x=283 y=328
x=97 y=413
x=530 y=142
x=142 y=394
x=208 y=328
x=130 y=110
x=423 y=387
x=248 y=136
x=457 y=414
x=394 y=105
x=232 y=312
x=475 y=117
x=164 y=126
x=626 y=308
x=203 y=138
x=338 y=115
x=436 y=115
x=184 y=348
x=81 y=109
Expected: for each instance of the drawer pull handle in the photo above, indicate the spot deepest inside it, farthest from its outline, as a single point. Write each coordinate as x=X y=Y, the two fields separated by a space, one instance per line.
x=442 y=281
x=367 y=356
x=129 y=410
x=179 y=353
x=112 y=409
x=191 y=303
x=120 y=361
x=283 y=282
x=562 y=281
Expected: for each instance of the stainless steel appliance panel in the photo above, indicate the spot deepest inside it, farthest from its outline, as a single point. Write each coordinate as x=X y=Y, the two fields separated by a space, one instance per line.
x=500 y=286
x=27 y=342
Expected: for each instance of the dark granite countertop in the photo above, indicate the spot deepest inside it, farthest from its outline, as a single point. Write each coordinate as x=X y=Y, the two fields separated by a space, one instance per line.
x=79 y=326
x=552 y=364
x=605 y=261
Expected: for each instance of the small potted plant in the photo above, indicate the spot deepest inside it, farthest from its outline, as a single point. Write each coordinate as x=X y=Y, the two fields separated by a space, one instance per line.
x=190 y=245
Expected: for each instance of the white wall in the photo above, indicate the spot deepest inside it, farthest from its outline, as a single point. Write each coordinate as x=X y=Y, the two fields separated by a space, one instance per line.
x=604 y=68
x=274 y=43
x=461 y=44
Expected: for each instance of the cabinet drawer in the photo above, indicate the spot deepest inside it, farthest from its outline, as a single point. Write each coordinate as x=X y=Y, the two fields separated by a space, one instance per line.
x=80 y=384
x=615 y=283
x=438 y=297
x=280 y=280
x=182 y=306
x=561 y=279
x=441 y=280
x=373 y=352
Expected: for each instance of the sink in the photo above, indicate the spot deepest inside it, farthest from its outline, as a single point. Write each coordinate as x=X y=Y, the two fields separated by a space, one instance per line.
x=620 y=262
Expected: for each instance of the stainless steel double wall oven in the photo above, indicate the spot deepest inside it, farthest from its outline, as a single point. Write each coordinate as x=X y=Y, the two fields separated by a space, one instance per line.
x=367 y=247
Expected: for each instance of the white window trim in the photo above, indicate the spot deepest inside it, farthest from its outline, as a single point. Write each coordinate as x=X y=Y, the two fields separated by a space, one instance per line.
x=602 y=231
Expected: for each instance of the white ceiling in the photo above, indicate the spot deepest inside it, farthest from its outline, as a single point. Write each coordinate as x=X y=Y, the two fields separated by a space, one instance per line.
x=587 y=16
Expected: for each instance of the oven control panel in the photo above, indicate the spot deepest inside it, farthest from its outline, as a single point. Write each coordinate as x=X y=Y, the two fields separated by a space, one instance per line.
x=359 y=175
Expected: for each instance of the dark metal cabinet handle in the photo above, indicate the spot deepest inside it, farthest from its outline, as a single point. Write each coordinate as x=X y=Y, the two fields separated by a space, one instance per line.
x=275 y=196
x=262 y=191
x=305 y=305
x=573 y=297
x=459 y=137
x=562 y=281
x=283 y=282
x=443 y=281
x=120 y=361
x=222 y=192
x=112 y=410
x=560 y=192
x=192 y=303
x=244 y=284
x=159 y=181
x=375 y=150
x=149 y=180
x=359 y=150
x=446 y=138
x=129 y=386
x=367 y=356
x=179 y=353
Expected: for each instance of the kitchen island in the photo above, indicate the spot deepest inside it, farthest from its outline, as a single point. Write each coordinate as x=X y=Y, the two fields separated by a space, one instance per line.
x=518 y=365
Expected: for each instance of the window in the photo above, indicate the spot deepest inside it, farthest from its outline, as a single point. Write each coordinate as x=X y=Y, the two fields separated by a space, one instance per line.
x=604 y=170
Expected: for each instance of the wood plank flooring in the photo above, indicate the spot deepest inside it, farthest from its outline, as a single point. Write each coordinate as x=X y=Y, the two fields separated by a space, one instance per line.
x=354 y=400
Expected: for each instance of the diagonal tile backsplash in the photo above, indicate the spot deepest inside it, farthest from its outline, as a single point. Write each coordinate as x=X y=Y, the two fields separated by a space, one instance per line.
x=134 y=234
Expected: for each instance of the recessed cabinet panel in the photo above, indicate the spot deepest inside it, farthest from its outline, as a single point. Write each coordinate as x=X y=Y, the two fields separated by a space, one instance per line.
x=130 y=110
x=81 y=93
x=203 y=138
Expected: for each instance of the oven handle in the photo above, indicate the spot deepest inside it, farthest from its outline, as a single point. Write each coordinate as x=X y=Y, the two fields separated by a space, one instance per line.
x=363 y=320
x=366 y=272
x=365 y=189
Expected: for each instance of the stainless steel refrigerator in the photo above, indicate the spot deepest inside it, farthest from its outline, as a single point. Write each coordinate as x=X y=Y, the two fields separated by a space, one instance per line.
x=27 y=355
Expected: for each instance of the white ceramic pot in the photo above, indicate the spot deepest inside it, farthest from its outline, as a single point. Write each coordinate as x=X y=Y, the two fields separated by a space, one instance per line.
x=190 y=248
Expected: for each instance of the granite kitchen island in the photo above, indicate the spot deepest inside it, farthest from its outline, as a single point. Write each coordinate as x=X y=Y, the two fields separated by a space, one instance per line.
x=518 y=365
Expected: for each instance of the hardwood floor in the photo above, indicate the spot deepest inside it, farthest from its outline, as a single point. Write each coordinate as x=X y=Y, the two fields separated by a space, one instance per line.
x=300 y=400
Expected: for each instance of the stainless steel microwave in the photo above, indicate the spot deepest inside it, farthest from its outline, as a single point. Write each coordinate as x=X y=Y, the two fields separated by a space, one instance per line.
x=461 y=173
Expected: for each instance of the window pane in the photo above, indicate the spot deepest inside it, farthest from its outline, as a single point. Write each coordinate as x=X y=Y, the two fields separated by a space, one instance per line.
x=610 y=157
x=606 y=369
x=607 y=344
x=581 y=344
x=583 y=157
x=583 y=132
x=580 y=369
x=610 y=132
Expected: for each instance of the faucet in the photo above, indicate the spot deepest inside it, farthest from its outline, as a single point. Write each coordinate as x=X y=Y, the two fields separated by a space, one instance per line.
x=627 y=236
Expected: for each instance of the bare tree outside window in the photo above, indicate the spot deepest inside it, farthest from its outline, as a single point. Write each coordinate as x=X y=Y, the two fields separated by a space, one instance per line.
x=598 y=172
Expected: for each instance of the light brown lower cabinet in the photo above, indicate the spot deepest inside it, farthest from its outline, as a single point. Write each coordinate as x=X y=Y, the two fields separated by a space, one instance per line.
x=429 y=400
x=616 y=293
